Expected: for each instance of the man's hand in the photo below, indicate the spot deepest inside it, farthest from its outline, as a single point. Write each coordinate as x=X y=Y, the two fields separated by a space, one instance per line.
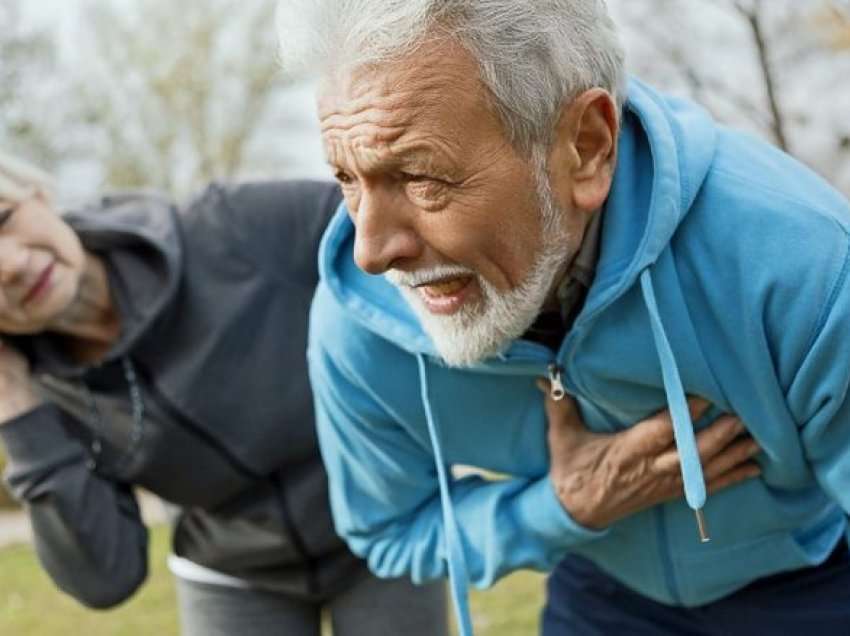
x=600 y=478
x=16 y=394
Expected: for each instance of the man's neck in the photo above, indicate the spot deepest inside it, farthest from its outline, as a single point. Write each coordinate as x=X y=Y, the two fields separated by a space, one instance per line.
x=90 y=323
x=553 y=302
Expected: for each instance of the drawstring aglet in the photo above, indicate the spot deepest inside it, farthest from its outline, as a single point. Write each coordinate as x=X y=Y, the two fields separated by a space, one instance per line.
x=703 y=529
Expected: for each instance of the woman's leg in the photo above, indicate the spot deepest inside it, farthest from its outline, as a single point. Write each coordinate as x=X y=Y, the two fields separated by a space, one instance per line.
x=218 y=610
x=390 y=606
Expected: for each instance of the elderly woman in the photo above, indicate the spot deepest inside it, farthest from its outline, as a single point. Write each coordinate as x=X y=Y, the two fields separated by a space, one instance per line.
x=168 y=353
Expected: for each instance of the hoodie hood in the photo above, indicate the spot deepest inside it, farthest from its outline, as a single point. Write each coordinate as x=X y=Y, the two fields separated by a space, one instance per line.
x=665 y=149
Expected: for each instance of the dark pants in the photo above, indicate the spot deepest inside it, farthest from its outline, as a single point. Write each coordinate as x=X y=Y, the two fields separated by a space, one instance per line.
x=583 y=601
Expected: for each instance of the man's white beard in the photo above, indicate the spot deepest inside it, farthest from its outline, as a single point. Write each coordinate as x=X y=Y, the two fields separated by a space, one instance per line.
x=486 y=327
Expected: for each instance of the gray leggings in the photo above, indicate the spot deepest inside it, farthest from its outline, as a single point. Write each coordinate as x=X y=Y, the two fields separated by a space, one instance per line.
x=379 y=607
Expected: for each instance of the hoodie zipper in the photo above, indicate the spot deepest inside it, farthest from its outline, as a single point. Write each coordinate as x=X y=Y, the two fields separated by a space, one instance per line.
x=556 y=390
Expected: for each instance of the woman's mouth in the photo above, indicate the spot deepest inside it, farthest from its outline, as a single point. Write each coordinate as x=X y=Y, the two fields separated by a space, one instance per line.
x=41 y=285
x=446 y=296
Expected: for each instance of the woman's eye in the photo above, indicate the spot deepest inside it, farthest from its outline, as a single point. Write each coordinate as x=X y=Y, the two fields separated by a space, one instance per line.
x=5 y=212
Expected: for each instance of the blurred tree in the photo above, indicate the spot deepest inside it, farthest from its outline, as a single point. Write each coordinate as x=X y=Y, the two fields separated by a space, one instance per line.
x=177 y=93
x=834 y=22
x=27 y=59
x=754 y=64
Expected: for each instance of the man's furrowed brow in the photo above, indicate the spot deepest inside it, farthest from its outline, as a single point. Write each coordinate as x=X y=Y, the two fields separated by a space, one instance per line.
x=416 y=156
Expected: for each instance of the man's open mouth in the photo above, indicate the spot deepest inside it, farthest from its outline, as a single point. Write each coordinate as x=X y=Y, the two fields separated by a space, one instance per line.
x=445 y=287
x=445 y=296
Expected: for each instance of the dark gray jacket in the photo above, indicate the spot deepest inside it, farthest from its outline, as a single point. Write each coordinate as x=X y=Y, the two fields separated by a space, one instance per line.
x=213 y=302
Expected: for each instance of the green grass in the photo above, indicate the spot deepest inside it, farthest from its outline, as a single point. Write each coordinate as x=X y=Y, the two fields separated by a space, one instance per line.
x=511 y=608
x=6 y=500
x=31 y=606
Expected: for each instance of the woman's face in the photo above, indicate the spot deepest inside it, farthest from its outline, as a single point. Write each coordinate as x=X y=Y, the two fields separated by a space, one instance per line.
x=41 y=264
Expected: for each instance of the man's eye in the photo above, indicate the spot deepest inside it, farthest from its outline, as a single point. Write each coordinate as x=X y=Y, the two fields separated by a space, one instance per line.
x=343 y=177
x=416 y=178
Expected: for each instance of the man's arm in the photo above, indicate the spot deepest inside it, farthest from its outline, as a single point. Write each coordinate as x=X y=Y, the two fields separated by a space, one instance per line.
x=384 y=495
x=819 y=395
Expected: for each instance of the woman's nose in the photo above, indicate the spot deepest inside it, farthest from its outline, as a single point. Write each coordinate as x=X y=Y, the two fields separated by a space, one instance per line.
x=13 y=262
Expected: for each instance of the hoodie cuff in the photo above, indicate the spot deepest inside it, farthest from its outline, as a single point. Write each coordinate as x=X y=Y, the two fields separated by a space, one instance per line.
x=37 y=439
x=551 y=520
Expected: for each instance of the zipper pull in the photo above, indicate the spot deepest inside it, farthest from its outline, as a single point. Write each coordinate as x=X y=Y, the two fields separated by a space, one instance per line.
x=556 y=391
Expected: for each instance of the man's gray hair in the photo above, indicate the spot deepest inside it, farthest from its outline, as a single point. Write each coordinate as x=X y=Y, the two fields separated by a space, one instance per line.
x=533 y=56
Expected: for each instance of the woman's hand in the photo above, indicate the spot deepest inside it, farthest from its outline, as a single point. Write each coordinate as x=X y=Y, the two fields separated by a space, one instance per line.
x=601 y=478
x=16 y=393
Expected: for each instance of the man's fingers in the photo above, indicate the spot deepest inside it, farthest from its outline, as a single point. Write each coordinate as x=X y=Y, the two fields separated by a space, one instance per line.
x=717 y=436
x=739 y=452
x=720 y=449
x=697 y=406
x=741 y=473
x=667 y=463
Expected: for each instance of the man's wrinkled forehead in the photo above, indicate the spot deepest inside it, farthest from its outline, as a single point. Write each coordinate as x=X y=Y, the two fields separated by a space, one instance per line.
x=434 y=75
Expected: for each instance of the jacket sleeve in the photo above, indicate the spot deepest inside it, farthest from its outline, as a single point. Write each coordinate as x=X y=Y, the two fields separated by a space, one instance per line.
x=819 y=396
x=384 y=490
x=88 y=531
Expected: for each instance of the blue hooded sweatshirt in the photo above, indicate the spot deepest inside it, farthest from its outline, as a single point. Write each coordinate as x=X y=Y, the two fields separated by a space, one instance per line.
x=722 y=273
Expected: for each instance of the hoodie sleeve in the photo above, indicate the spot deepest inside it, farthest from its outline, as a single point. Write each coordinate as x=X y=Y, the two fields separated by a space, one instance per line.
x=819 y=395
x=383 y=482
x=88 y=531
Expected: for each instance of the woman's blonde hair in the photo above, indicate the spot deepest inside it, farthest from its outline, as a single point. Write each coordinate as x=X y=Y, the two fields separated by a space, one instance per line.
x=20 y=180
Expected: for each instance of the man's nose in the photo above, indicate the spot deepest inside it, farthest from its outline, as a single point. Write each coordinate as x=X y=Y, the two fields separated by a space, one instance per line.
x=384 y=233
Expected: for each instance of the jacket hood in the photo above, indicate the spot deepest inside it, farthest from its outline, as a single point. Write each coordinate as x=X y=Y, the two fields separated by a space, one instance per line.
x=645 y=207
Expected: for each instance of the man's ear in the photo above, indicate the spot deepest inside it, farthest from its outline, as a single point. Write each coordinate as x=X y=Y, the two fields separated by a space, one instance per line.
x=584 y=152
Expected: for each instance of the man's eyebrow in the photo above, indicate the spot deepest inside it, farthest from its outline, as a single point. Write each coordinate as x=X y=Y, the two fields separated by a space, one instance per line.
x=426 y=156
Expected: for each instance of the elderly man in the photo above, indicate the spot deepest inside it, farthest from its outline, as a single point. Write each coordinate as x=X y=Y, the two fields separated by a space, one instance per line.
x=513 y=209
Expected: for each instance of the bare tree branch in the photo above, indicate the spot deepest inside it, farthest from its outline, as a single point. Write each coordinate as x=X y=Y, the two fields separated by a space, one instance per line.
x=752 y=15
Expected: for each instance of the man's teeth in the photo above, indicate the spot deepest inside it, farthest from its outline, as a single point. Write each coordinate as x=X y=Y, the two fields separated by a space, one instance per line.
x=445 y=288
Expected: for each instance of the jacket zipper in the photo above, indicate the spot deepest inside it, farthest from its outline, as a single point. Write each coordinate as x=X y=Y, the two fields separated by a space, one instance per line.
x=163 y=403
x=556 y=390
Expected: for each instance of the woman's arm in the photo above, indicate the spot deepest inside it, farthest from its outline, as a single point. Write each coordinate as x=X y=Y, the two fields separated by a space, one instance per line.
x=88 y=531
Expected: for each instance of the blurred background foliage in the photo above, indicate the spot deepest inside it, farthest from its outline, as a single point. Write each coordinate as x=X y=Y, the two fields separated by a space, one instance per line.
x=116 y=93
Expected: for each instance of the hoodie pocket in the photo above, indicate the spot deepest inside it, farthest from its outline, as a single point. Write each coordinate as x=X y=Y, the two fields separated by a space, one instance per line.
x=707 y=575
